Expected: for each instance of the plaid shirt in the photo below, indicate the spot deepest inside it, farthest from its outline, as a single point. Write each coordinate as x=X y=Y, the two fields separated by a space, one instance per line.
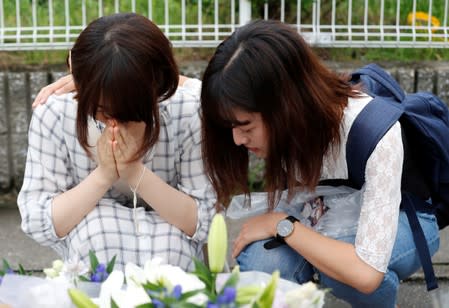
x=56 y=162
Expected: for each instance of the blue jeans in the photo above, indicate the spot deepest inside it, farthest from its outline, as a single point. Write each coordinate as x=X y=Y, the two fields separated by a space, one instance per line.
x=292 y=266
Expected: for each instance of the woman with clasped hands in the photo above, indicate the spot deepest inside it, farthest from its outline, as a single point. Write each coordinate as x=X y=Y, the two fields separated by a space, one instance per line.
x=116 y=166
x=264 y=91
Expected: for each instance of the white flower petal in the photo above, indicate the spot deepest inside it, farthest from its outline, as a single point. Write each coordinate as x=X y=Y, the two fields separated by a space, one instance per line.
x=134 y=274
x=131 y=297
x=110 y=286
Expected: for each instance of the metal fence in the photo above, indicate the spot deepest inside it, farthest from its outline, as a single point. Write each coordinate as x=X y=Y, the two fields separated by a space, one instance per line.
x=55 y=24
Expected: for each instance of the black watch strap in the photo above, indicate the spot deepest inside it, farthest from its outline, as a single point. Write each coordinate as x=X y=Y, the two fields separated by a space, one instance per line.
x=278 y=241
x=292 y=218
x=274 y=243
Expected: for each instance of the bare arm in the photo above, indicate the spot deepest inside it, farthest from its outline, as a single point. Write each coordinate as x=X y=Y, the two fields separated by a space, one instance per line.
x=334 y=258
x=174 y=206
x=70 y=207
x=339 y=260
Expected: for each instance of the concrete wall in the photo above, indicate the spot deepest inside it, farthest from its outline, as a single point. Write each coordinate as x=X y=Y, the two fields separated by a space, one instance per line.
x=18 y=90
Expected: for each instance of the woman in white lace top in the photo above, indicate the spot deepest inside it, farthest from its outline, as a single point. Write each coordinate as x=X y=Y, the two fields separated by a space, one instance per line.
x=265 y=92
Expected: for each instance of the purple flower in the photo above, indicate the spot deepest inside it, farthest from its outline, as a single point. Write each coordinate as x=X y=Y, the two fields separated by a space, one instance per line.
x=101 y=268
x=157 y=303
x=225 y=299
x=1 y=279
x=177 y=291
x=96 y=277
x=100 y=274
x=228 y=296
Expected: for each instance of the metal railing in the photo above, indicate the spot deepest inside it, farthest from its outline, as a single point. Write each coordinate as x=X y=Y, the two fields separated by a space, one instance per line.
x=55 y=24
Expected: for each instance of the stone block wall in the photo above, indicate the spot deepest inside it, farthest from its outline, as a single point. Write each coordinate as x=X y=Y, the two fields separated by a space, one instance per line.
x=18 y=90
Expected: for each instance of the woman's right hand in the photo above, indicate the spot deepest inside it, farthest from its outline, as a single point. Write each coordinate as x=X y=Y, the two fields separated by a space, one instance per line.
x=105 y=155
x=62 y=85
x=256 y=228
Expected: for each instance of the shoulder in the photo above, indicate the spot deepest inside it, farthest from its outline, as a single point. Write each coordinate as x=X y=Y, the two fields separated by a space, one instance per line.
x=185 y=103
x=354 y=107
x=57 y=106
x=56 y=116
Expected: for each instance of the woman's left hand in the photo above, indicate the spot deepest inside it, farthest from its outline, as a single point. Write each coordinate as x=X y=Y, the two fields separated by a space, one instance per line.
x=128 y=138
x=255 y=229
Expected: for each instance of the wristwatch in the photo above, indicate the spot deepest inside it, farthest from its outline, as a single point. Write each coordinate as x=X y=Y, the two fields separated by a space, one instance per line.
x=284 y=229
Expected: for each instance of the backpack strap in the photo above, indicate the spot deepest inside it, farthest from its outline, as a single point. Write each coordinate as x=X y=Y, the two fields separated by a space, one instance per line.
x=408 y=204
x=375 y=119
x=377 y=82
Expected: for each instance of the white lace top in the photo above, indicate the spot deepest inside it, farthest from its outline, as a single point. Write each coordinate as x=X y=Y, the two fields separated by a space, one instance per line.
x=372 y=213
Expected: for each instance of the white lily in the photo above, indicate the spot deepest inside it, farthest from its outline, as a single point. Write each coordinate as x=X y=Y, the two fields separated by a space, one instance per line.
x=132 y=297
x=112 y=285
x=135 y=275
x=170 y=276
x=73 y=268
x=306 y=295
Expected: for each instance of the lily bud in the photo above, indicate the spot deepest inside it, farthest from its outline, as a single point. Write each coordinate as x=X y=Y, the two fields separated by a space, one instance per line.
x=217 y=244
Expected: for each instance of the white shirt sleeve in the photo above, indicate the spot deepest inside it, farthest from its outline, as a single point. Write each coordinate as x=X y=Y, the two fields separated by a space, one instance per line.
x=46 y=172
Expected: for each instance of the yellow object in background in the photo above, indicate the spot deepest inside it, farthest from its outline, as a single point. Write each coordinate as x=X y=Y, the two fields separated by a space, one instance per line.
x=422 y=19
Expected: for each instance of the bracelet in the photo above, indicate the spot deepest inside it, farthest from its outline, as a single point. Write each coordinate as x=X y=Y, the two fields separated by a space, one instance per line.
x=134 y=191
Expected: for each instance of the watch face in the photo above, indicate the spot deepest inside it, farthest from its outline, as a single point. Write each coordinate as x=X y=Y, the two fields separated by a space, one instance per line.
x=284 y=228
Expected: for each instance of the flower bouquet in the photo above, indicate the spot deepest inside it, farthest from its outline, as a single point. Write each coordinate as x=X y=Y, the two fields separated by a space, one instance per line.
x=163 y=285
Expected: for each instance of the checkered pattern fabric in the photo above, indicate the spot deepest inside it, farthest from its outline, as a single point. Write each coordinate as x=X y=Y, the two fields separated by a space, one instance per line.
x=56 y=162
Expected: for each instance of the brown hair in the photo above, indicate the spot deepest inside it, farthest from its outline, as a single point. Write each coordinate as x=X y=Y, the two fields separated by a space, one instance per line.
x=124 y=64
x=267 y=67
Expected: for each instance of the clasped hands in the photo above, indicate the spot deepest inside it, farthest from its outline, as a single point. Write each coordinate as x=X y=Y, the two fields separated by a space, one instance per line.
x=116 y=151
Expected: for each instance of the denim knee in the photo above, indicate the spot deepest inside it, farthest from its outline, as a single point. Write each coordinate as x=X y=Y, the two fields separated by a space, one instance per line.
x=291 y=265
x=404 y=258
x=384 y=296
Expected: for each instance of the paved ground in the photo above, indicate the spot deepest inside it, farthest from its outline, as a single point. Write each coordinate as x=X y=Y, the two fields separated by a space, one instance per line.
x=18 y=248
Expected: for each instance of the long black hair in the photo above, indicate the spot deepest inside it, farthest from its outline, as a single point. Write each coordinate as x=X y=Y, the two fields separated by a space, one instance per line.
x=268 y=68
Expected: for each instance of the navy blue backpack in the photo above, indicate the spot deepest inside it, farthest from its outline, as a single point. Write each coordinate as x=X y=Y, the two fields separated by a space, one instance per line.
x=424 y=120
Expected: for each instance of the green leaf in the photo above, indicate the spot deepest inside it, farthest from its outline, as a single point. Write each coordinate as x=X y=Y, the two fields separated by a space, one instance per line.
x=22 y=271
x=185 y=305
x=147 y=305
x=232 y=280
x=93 y=260
x=114 y=304
x=111 y=265
x=6 y=266
x=204 y=274
x=153 y=287
x=266 y=298
x=189 y=294
x=83 y=278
